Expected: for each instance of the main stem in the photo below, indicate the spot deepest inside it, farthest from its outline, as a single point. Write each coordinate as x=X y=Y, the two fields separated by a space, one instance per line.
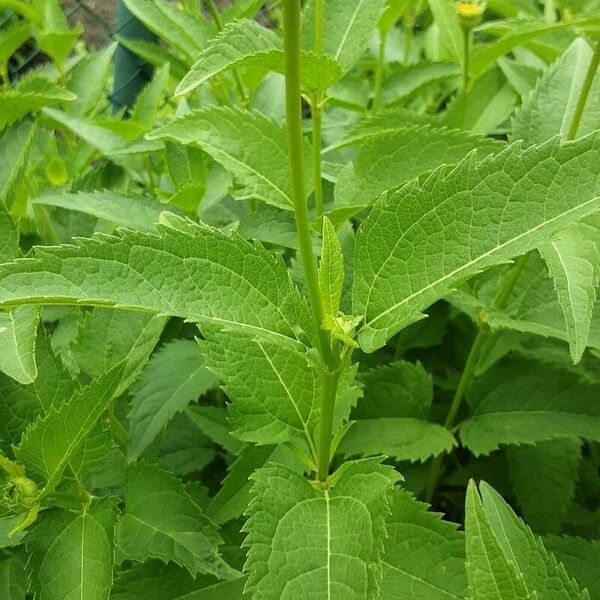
x=585 y=92
x=465 y=76
x=379 y=67
x=500 y=301
x=316 y=102
x=293 y=105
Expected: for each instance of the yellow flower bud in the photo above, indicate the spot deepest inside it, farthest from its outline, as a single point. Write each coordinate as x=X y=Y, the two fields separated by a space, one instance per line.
x=470 y=13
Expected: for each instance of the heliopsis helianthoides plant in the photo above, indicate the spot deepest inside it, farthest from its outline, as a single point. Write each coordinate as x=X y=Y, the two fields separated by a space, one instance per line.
x=315 y=317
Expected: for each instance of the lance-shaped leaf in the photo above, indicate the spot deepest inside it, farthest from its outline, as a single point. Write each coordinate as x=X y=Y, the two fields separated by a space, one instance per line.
x=326 y=541
x=18 y=328
x=15 y=143
x=50 y=442
x=246 y=43
x=275 y=385
x=421 y=241
x=544 y=578
x=194 y=272
x=13 y=578
x=181 y=534
x=175 y=376
x=573 y=259
x=424 y=556
x=347 y=24
x=79 y=561
x=401 y=438
x=252 y=146
x=331 y=270
x=527 y=402
x=549 y=110
x=418 y=149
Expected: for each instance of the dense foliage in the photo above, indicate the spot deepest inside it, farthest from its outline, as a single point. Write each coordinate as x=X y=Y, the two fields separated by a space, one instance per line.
x=333 y=271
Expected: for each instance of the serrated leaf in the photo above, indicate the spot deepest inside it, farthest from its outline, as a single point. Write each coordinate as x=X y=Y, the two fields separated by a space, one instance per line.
x=246 y=43
x=573 y=259
x=543 y=479
x=418 y=149
x=137 y=212
x=544 y=577
x=581 y=559
x=248 y=287
x=15 y=144
x=13 y=578
x=477 y=215
x=174 y=377
x=400 y=438
x=347 y=24
x=147 y=102
x=396 y=390
x=273 y=383
x=424 y=556
x=79 y=561
x=252 y=146
x=492 y=575
x=331 y=270
x=549 y=110
x=336 y=535
x=174 y=26
x=18 y=329
x=212 y=421
x=522 y=402
x=50 y=442
x=181 y=534
x=29 y=95
x=20 y=404
x=451 y=36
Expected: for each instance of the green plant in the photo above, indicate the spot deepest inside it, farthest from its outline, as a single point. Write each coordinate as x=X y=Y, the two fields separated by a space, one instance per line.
x=322 y=271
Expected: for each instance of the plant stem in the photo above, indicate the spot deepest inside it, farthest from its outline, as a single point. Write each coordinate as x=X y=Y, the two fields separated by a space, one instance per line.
x=499 y=303
x=585 y=91
x=316 y=103
x=464 y=76
x=377 y=84
x=293 y=102
x=214 y=12
x=549 y=11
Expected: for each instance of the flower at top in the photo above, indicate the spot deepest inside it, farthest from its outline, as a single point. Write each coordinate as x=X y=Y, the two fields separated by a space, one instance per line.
x=470 y=13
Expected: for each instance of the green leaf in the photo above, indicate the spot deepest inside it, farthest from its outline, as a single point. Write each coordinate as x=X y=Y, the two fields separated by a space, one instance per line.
x=248 y=285
x=107 y=336
x=29 y=95
x=147 y=102
x=252 y=146
x=212 y=421
x=396 y=390
x=15 y=144
x=156 y=581
x=491 y=573
x=347 y=24
x=174 y=26
x=274 y=383
x=21 y=404
x=336 y=534
x=573 y=259
x=549 y=110
x=9 y=236
x=418 y=149
x=331 y=270
x=181 y=534
x=174 y=377
x=474 y=216
x=521 y=402
x=13 y=578
x=581 y=559
x=18 y=329
x=50 y=442
x=543 y=479
x=424 y=556
x=137 y=212
x=446 y=20
x=544 y=577
x=79 y=561
x=400 y=438
x=247 y=44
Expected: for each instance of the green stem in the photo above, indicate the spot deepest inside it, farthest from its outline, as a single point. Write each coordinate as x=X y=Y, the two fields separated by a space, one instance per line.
x=550 y=11
x=214 y=12
x=499 y=303
x=293 y=101
x=408 y=24
x=317 y=118
x=585 y=91
x=464 y=92
x=379 y=67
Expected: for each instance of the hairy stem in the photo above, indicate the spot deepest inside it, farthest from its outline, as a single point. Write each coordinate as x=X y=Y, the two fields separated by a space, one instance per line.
x=585 y=92
x=502 y=297
x=214 y=12
x=293 y=101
